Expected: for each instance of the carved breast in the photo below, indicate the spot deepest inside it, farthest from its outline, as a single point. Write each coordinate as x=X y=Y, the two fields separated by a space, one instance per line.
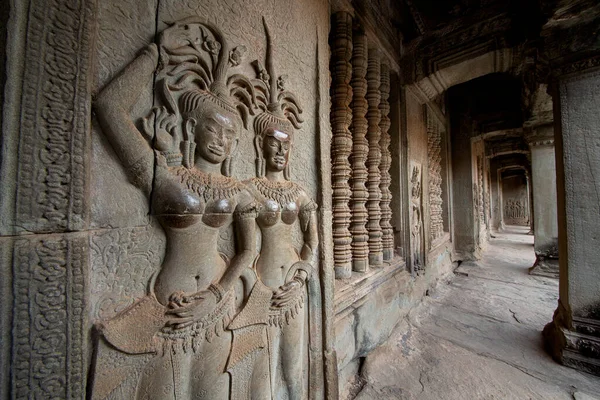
x=182 y=198
x=272 y=212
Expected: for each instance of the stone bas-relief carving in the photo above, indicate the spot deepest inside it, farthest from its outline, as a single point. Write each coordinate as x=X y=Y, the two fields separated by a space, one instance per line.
x=434 y=159
x=277 y=309
x=516 y=212
x=211 y=326
x=191 y=300
x=417 y=248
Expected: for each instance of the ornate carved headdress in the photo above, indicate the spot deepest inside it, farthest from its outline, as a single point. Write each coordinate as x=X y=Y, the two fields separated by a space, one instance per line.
x=280 y=109
x=193 y=70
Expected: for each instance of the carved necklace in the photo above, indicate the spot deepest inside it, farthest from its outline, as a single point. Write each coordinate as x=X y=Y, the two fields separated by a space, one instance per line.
x=208 y=186
x=282 y=192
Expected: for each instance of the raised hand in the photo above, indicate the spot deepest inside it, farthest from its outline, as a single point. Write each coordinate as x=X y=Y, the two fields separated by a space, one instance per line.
x=162 y=126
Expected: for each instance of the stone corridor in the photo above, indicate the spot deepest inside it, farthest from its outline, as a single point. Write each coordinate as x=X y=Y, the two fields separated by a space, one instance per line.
x=478 y=336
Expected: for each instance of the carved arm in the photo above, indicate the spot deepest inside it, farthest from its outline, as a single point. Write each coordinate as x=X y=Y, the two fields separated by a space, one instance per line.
x=113 y=106
x=308 y=223
x=246 y=234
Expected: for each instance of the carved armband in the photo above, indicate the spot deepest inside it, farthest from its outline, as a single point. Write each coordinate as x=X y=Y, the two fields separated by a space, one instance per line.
x=217 y=290
x=249 y=211
x=305 y=212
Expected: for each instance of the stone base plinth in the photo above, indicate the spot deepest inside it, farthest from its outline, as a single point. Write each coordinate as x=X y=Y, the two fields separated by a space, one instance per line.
x=545 y=266
x=578 y=348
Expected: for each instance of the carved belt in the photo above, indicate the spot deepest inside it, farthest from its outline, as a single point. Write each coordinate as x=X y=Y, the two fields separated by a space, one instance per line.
x=142 y=329
x=215 y=323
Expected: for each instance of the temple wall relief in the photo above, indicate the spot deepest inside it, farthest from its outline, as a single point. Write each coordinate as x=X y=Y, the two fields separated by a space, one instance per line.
x=137 y=218
x=515 y=200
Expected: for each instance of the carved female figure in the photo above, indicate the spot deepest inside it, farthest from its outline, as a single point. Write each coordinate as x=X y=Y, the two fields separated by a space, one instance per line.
x=179 y=327
x=417 y=252
x=285 y=277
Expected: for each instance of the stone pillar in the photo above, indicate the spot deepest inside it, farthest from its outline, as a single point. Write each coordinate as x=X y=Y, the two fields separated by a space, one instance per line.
x=374 y=158
x=360 y=148
x=530 y=202
x=501 y=224
x=573 y=337
x=464 y=236
x=387 y=230
x=341 y=117
x=543 y=186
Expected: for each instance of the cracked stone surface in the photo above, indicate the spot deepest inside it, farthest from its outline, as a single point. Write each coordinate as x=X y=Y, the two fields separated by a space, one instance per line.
x=478 y=336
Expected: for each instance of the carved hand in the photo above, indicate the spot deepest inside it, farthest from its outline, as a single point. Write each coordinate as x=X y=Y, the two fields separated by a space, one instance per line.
x=164 y=125
x=192 y=308
x=287 y=293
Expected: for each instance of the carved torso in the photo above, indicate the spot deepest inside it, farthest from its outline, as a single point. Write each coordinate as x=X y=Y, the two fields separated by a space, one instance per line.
x=280 y=206
x=193 y=207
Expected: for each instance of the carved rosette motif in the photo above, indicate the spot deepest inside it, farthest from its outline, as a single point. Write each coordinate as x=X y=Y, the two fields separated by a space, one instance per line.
x=341 y=117
x=360 y=148
x=384 y=167
x=374 y=158
x=434 y=139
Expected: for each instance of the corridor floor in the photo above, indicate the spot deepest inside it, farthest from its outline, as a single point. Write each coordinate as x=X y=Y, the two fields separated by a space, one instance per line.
x=478 y=336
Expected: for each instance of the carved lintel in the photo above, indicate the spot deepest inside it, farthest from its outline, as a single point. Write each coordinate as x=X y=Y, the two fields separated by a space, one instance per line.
x=384 y=167
x=341 y=117
x=360 y=148
x=374 y=158
x=576 y=67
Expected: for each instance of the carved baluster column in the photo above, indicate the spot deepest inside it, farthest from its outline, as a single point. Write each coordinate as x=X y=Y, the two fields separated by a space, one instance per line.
x=373 y=159
x=341 y=116
x=384 y=167
x=360 y=148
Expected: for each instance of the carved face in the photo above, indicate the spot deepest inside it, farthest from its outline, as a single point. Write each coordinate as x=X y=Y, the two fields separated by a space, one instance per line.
x=276 y=149
x=215 y=134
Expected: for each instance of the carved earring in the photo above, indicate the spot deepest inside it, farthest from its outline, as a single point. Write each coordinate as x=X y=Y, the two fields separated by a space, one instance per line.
x=286 y=172
x=227 y=168
x=188 y=145
x=260 y=161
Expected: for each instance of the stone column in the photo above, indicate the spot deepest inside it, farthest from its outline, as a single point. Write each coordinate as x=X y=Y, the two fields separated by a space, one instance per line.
x=374 y=158
x=530 y=207
x=360 y=148
x=386 y=161
x=573 y=337
x=543 y=186
x=341 y=117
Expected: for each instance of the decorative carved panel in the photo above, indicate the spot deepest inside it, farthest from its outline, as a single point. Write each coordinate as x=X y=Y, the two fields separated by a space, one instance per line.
x=341 y=117
x=49 y=321
x=516 y=211
x=374 y=158
x=55 y=118
x=436 y=222
x=49 y=272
